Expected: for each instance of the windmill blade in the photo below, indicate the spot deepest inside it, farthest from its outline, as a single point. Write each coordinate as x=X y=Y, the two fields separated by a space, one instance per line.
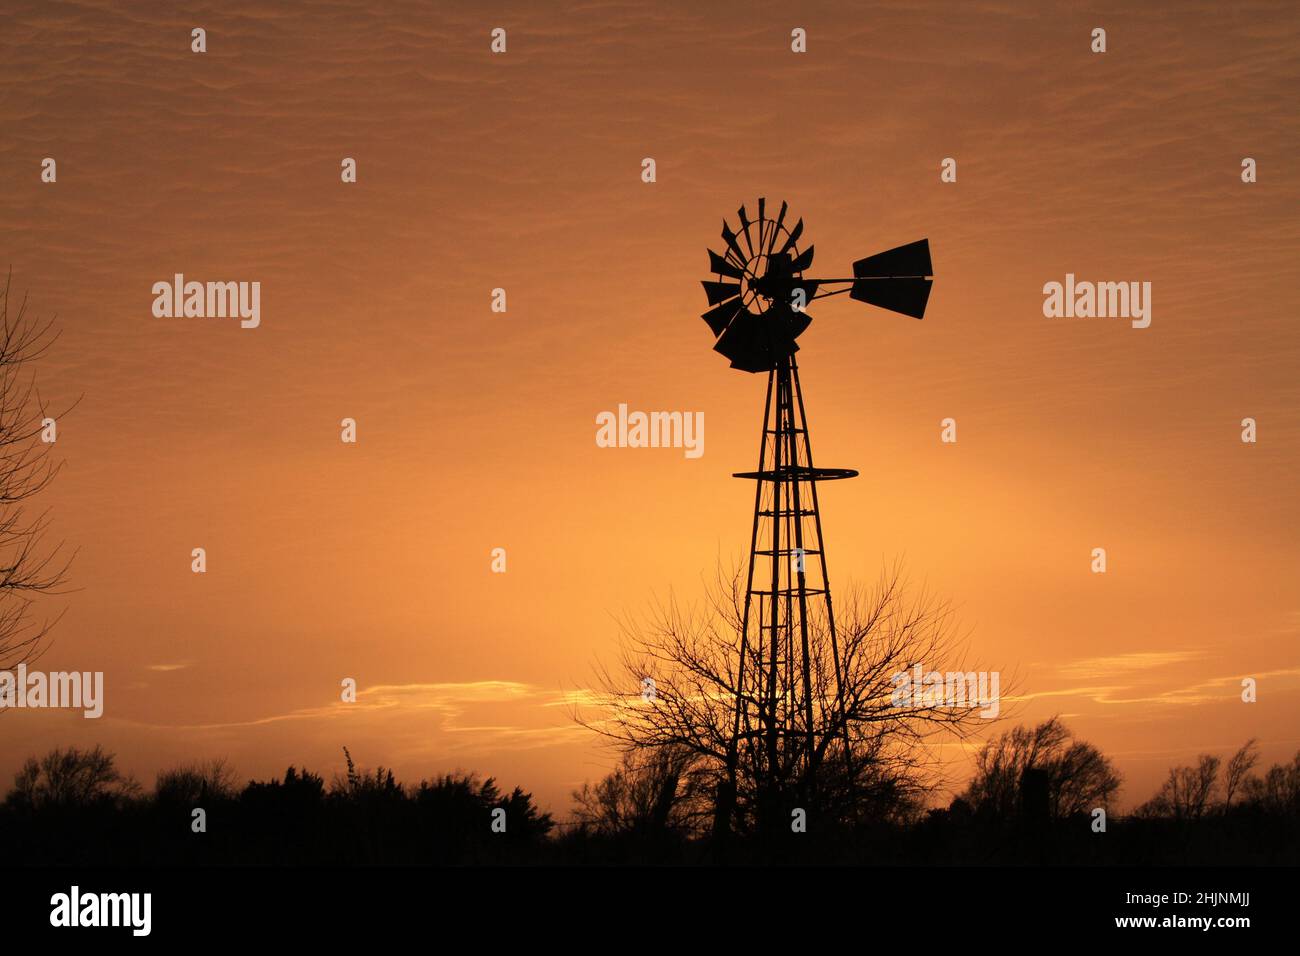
x=759 y=360
x=776 y=228
x=719 y=316
x=722 y=267
x=910 y=261
x=743 y=341
x=792 y=323
x=755 y=363
x=907 y=296
x=729 y=238
x=795 y=233
x=803 y=260
x=754 y=342
x=744 y=228
x=720 y=291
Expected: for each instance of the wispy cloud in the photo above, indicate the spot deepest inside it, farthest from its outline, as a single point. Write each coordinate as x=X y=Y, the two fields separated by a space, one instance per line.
x=447 y=716
x=1144 y=687
x=1101 y=667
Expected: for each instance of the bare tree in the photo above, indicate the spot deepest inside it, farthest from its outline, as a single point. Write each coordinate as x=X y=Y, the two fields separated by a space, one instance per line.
x=27 y=568
x=689 y=657
x=647 y=794
x=1278 y=791
x=1187 y=793
x=195 y=783
x=70 y=778
x=1239 y=767
x=1079 y=777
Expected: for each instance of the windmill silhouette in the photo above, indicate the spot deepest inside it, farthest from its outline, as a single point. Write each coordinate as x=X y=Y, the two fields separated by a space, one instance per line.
x=788 y=711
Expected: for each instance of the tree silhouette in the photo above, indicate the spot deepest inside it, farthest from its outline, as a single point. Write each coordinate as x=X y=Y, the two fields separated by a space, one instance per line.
x=1075 y=775
x=1190 y=792
x=1238 y=771
x=362 y=785
x=73 y=806
x=1187 y=793
x=70 y=779
x=455 y=816
x=1278 y=791
x=290 y=804
x=27 y=568
x=196 y=784
x=644 y=797
x=674 y=690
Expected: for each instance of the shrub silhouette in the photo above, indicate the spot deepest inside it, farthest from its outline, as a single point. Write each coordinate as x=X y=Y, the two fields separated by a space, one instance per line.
x=68 y=779
x=283 y=818
x=455 y=817
x=196 y=784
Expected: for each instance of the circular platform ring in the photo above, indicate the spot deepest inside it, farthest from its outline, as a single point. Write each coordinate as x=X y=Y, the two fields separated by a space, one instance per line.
x=800 y=473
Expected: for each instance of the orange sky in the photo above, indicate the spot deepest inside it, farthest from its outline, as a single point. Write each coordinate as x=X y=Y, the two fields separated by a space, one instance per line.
x=476 y=430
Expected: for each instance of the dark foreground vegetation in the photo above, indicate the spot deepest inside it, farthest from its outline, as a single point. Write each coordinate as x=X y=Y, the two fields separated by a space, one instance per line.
x=1034 y=800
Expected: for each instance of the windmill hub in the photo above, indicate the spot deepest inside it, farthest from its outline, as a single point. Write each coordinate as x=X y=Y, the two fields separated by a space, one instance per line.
x=773 y=283
x=759 y=293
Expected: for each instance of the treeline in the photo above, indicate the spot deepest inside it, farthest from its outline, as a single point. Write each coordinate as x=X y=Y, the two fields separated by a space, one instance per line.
x=1039 y=795
x=74 y=806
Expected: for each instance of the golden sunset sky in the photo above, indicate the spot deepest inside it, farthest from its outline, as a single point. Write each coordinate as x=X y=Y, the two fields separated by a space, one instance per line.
x=476 y=430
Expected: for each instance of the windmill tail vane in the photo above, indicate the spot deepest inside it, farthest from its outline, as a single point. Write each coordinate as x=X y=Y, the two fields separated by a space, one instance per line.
x=786 y=705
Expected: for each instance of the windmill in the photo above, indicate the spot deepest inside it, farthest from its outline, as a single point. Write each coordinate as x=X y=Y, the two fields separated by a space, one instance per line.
x=788 y=711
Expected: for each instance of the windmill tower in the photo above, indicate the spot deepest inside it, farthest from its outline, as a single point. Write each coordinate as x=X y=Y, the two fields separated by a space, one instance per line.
x=789 y=711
